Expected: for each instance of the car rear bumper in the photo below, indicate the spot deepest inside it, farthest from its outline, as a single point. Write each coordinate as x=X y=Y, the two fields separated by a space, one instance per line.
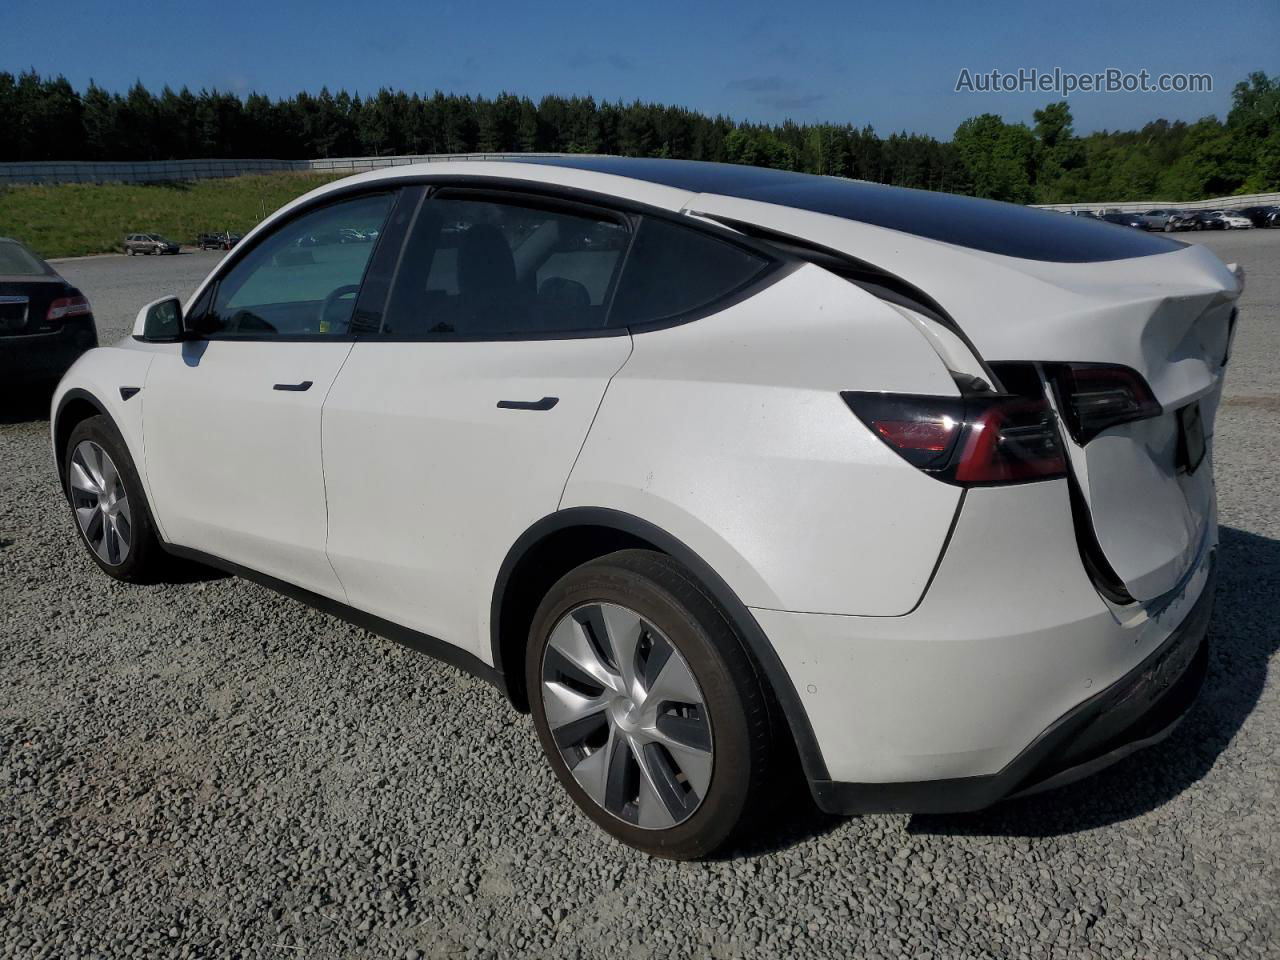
x=45 y=356
x=991 y=686
x=1138 y=711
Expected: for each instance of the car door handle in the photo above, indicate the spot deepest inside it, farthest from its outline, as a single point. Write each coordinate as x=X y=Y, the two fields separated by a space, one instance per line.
x=546 y=403
x=295 y=387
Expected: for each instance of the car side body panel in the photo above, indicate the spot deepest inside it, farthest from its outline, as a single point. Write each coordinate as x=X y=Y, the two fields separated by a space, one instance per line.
x=730 y=434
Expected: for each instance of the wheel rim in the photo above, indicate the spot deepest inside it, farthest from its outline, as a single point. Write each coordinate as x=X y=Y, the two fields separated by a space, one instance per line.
x=101 y=503
x=627 y=716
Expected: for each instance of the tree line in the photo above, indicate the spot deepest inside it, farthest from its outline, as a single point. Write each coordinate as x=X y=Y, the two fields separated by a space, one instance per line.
x=45 y=118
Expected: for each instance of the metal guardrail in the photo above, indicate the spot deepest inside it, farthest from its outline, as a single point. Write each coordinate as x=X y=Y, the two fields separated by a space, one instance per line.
x=1140 y=206
x=160 y=171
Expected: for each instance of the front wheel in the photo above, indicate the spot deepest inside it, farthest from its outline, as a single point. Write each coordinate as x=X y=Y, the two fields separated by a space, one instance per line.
x=108 y=504
x=648 y=707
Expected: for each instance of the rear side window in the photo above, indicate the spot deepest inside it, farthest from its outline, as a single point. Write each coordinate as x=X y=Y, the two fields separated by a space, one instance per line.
x=674 y=270
x=498 y=267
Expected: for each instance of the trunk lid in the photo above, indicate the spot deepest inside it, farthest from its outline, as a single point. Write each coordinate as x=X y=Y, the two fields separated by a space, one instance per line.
x=24 y=305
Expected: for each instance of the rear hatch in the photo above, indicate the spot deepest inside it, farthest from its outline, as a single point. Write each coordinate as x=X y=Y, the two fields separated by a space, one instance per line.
x=1131 y=338
x=1135 y=366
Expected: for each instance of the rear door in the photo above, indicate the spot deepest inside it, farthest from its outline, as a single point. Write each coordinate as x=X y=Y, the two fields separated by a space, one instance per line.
x=482 y=359
x=232 y=417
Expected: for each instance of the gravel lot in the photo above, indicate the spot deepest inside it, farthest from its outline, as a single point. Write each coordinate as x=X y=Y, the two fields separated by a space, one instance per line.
x=206 y=769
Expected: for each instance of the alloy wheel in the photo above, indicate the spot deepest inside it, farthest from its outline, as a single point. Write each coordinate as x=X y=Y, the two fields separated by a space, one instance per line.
x=627 y=715
x=101 y=503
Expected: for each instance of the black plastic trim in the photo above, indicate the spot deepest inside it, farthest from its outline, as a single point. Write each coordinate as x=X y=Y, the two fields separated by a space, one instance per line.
x=1140 y=709
x=128 y=393
x=302 y=387
x=413 y=639
x=734 y=609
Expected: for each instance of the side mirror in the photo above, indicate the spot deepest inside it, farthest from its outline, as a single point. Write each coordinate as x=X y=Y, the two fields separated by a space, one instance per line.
x=160 y=321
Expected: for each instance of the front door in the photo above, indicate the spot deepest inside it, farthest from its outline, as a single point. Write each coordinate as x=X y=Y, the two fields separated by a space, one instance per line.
x=232 y=416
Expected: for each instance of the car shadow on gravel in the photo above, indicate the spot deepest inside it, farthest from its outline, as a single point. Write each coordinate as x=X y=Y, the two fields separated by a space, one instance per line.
x=1244 y=636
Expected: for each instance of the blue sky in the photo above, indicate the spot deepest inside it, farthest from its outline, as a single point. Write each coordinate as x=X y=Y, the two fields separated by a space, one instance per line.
x=893 y=65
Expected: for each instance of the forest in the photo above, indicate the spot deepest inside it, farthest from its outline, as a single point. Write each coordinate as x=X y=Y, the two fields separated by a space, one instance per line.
x=46 y=118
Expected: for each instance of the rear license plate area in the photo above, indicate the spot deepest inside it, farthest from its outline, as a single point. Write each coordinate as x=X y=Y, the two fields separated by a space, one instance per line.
x=1191 y=444
x=13 y=314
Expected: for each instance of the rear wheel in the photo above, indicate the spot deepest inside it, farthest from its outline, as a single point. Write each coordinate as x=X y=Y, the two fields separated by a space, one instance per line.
x=648 y=707
x=108 y=504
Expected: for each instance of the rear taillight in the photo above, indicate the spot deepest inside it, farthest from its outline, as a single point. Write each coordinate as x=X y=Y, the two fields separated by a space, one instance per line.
x=1093 y=397
x=974 y=440
x=65 y=307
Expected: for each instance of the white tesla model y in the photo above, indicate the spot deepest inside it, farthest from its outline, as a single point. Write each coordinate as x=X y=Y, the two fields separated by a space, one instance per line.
x=707 y=466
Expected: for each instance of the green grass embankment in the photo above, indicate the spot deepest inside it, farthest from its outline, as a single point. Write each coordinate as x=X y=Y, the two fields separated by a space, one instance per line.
x=75 y=219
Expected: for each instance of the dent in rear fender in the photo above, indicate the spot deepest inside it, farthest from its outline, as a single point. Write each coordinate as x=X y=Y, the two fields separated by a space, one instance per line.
x=730 y=434
x=98 y=375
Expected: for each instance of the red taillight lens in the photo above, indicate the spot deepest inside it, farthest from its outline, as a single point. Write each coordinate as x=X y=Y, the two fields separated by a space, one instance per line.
x=1094 y=397
x=971 y=441
x=65 y=307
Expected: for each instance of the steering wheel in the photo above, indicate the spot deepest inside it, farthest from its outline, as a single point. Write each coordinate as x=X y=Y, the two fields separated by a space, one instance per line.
x=331 y=299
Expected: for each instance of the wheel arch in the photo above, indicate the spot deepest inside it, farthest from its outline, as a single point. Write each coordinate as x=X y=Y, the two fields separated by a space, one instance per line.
x=74 y=407
x=563 y=540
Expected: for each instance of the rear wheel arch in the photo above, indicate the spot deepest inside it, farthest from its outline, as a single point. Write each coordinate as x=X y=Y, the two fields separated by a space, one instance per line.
x=564 y=540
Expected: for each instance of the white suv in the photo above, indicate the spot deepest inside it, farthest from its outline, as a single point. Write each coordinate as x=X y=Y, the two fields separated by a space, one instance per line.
x=708 y=466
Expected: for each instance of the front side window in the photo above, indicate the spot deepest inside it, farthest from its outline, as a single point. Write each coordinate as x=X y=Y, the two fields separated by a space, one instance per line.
x=484 y=267
x=301 y=280
x=673 y=270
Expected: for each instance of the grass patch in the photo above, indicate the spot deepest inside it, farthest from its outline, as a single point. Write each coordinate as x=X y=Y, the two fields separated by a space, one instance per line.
x=75 y=219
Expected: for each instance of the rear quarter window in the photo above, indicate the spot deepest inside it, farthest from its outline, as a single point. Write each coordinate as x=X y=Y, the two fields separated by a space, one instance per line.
x=674 y=270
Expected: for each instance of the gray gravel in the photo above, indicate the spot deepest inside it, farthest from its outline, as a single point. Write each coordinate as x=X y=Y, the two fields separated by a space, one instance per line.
x=206 y=769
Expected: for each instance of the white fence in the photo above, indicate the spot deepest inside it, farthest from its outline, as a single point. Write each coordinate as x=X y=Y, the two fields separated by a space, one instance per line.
x=159 y=171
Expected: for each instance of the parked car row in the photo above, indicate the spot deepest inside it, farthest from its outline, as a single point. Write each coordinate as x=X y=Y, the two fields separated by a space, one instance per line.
x=149 y=243
x=1170 y=221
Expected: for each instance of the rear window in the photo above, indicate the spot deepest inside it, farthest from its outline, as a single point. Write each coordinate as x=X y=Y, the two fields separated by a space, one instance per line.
x=674 y=270
x=17 y=261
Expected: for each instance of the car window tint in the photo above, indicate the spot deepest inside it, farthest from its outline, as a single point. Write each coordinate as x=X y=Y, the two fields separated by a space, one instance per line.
x=480 y=267
x=302 y=279
x=674 y=270
x=17 y=261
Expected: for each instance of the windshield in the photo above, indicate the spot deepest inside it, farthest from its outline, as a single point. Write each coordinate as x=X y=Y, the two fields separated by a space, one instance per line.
x=17 y=261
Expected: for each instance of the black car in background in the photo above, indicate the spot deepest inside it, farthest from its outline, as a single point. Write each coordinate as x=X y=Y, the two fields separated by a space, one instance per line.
x=1267 y=215
x=45 y=322
x=217 y=241
x=1135 y=220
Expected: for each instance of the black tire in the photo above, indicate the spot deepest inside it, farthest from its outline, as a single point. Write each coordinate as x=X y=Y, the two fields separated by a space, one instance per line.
x=736 y=698
x=145 y=559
